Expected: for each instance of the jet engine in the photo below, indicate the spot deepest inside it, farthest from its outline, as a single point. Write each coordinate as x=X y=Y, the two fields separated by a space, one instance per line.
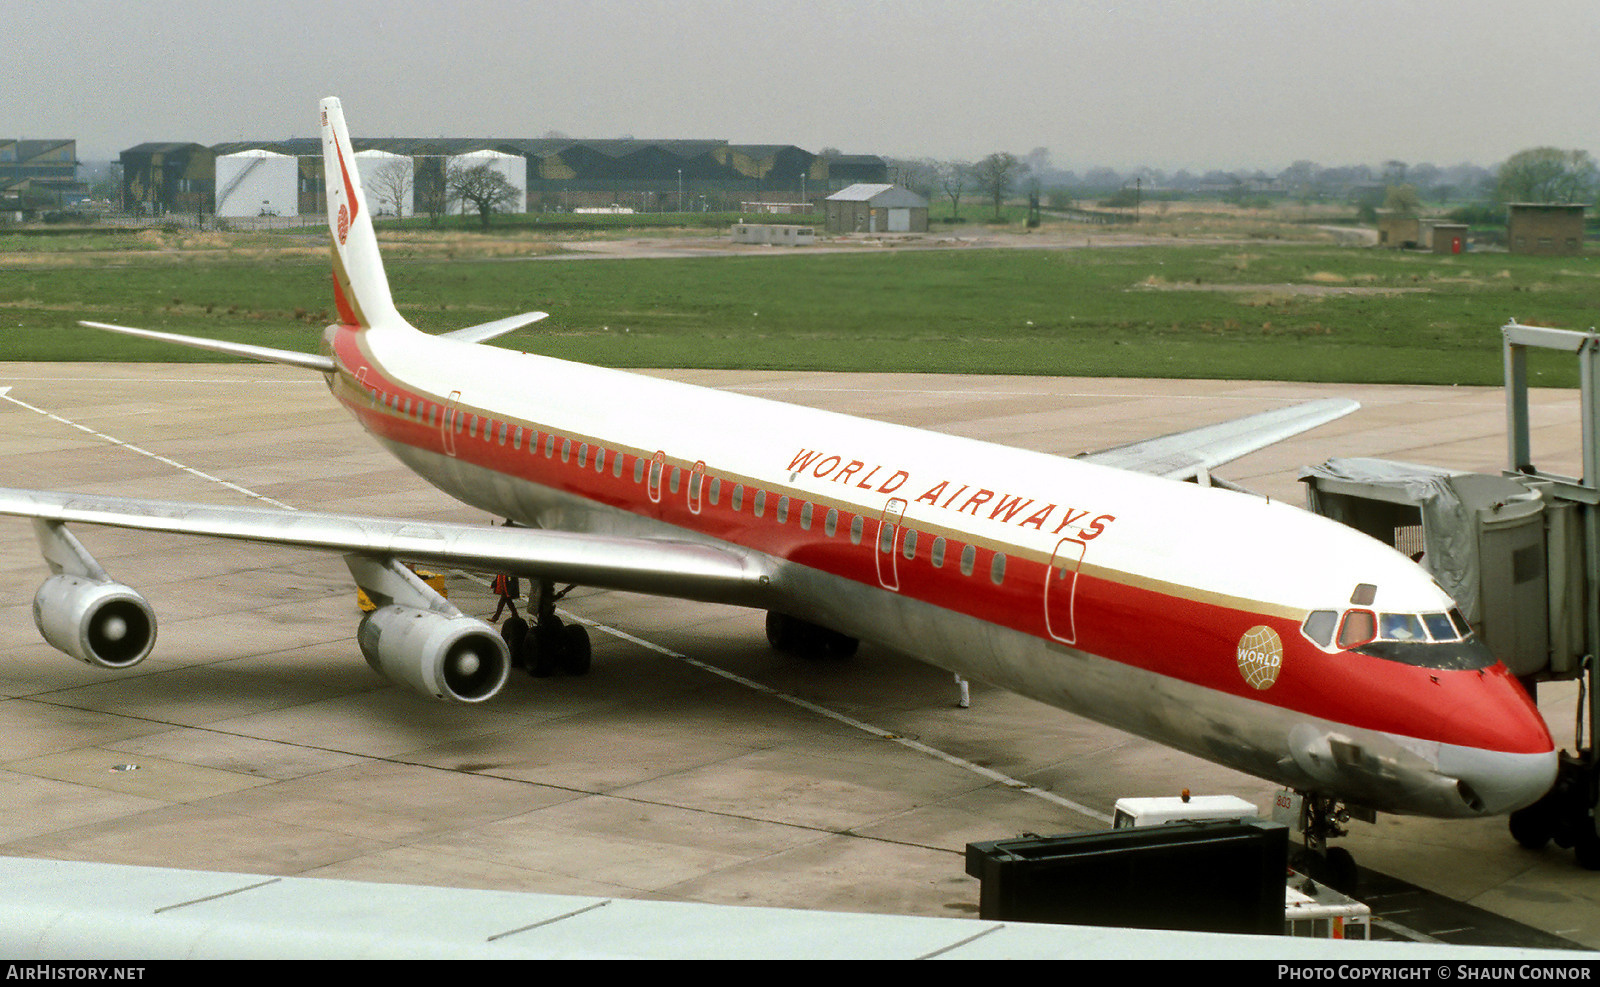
x=455 y=659
x=101 y=623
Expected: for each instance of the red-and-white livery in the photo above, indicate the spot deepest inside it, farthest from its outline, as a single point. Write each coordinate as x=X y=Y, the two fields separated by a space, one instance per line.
x=1248 y=632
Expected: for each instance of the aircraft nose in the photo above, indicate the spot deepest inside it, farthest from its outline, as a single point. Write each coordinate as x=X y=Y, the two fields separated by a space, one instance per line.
x=1494 y=782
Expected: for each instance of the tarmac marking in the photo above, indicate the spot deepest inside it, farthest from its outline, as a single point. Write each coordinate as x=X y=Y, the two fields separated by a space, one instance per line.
x=850 y=721
x=5 y=392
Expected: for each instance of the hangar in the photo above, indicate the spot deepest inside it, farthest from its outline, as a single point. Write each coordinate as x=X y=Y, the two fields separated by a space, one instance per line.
x=559 y=173
x=257 y=183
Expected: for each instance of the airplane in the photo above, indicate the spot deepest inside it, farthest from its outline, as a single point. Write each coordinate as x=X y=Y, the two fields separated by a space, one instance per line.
x=1236 y=628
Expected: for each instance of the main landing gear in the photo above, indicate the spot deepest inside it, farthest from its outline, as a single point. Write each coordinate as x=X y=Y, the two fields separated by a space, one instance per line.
x=1566 y=813
x=794 y=636
x=1320 y=820
x=549 y=645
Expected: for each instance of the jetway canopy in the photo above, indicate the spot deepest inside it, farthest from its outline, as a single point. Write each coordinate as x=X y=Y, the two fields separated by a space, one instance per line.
x=1504 y=552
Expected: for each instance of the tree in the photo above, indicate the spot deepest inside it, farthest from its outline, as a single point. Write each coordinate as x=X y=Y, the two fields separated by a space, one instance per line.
x=955 y=177
x=487 y=190
x=1402 y=200
x=1547 y=174
x=392 y=185
x=996 y=175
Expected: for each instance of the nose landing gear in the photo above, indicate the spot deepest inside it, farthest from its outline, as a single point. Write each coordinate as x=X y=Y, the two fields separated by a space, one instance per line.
x=1319 y=819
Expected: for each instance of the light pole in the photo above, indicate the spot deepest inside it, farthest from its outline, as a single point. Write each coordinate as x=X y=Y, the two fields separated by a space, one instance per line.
x=680 y=190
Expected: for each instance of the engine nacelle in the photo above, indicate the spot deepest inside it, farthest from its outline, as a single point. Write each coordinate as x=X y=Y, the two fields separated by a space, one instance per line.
x=102 y=623
x=456 y=659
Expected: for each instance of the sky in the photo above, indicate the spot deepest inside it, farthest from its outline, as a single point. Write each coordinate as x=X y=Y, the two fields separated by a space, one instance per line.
x=1196 y=84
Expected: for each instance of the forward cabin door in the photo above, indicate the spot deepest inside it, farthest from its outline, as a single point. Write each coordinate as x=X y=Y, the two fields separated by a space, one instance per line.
x=891 y=529
x=1061 y=590
x=447 y=424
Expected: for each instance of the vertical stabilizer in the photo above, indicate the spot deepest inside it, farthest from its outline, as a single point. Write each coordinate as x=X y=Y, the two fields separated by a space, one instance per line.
x=361 y=290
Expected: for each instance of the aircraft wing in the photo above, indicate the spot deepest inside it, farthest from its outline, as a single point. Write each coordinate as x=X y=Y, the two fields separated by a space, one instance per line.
x=1182 y=455
x=643 y=565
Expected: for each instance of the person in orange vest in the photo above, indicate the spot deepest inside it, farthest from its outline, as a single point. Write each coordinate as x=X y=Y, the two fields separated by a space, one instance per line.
x=507 y=588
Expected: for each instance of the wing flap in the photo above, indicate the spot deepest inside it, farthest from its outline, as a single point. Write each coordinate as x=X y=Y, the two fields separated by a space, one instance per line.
x=1182 y=455
x=642 y=565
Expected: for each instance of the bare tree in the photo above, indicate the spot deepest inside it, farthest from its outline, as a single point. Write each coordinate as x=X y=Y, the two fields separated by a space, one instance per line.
x=487 y=190
x=955 y=177
x=392 y=185
x=996 y=175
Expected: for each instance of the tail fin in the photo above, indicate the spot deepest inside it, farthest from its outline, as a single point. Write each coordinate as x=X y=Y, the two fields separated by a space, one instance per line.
x=361 y=290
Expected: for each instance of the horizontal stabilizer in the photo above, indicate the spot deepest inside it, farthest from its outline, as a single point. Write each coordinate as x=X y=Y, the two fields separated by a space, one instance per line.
x=1182 y=455
x=499 y=327
x=308 y=361
x=641 y=565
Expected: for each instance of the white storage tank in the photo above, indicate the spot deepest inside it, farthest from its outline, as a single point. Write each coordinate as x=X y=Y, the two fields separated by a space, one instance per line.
x=389 y=182
x=258 y=183
x=513 y=166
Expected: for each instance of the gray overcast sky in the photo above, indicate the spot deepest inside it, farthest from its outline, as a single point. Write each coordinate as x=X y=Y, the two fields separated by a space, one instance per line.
x=1196 y=84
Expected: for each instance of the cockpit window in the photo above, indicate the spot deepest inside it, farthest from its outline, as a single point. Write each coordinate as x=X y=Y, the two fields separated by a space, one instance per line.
x=1359 y=627
x=1319 y=626
x=1401 y=627
x=1439 y=627
x=1461 y=623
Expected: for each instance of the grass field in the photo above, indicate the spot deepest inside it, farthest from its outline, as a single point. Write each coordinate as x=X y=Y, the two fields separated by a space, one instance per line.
x=1262 y=311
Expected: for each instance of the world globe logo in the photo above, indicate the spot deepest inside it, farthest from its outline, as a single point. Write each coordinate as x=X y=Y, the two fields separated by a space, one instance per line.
x=1260 y=656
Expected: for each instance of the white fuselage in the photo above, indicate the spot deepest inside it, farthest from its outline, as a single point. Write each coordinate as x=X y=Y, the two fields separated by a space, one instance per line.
x=1123 y=597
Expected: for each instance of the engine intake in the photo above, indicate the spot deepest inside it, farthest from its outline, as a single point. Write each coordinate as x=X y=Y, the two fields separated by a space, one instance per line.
x=101 y=623
x=455 y=659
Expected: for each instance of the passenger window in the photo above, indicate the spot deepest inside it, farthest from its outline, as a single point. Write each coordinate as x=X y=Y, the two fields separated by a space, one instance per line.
x=616 y=466
x=936 y=556
x=1319 y=627
x=969 y=560
x=831 y=525
x=638 y=470
x=858 y=526
x=516 y=438
x=908 y=544
x=716 y=490
x=504 y=428
x=783 y=510
x=997 y=569
x=761 y=502
x=583 y=454
x=805 y=517
x=549 y=445
x=566 y=450
x=676 y=473
x=599 y=460
x=738 y=496
x=885 y=538
x=1359 y=627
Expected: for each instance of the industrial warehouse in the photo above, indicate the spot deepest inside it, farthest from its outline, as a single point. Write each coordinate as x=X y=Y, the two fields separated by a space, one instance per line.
x=407 y=175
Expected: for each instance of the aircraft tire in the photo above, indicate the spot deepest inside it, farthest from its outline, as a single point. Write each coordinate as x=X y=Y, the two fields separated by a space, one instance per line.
x=515 y=632
x=575 y=650
x=1533 y=826
x=542 y=647
x=1342 y=873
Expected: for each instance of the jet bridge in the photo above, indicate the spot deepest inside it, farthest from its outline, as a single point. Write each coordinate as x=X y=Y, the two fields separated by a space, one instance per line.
x=1519 y=552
